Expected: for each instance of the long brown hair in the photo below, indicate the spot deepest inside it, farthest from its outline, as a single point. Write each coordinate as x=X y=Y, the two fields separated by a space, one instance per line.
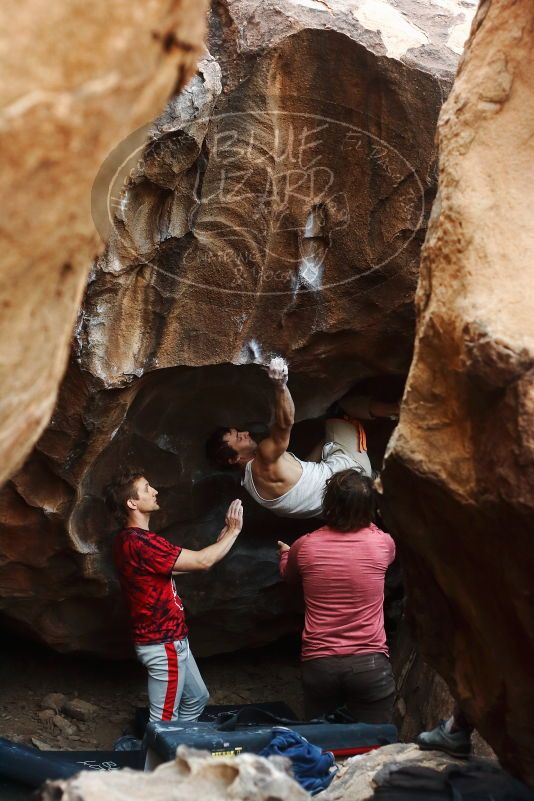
x=348 y=502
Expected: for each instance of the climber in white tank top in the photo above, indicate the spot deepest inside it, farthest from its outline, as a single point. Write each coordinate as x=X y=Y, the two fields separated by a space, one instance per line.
x=277 y=479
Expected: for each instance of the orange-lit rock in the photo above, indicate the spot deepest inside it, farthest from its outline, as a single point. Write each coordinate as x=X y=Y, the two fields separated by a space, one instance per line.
x=460 y=474
x=78 y=77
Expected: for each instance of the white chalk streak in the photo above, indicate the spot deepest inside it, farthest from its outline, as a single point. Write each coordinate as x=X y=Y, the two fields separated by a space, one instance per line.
x=398 y=34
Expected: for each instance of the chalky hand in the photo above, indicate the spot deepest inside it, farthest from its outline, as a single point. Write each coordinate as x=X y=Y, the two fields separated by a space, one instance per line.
x=278 y=371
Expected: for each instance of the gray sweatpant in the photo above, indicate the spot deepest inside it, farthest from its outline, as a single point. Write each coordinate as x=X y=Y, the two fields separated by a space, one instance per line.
x=176 y=690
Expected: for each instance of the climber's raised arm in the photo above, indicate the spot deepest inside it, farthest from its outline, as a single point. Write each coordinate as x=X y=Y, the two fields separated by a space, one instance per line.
x=272 y=447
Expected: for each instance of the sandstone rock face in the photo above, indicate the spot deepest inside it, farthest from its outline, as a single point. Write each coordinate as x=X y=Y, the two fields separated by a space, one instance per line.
x=423 y=697
x=193 y=775
x=397 y=771
x=278 y=207
x=460 y=472
x=286 y=190
x=79 y=77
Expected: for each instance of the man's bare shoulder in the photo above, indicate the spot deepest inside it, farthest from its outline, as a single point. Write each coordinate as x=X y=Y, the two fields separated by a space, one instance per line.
x=269 y=452
x=266 y=464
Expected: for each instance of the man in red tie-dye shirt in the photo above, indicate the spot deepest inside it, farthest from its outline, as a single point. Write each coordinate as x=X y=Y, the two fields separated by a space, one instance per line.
x=145 y=563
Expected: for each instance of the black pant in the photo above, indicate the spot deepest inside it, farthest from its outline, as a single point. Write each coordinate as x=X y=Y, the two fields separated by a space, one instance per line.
x=362 y=682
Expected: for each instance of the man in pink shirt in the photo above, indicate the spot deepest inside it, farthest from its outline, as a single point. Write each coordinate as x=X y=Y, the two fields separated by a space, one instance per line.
x=342 y=567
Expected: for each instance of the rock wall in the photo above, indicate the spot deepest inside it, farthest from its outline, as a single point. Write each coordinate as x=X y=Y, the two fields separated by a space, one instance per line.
x=279 y=206
x=460 y=471
x=79 y=77
x=423 y=697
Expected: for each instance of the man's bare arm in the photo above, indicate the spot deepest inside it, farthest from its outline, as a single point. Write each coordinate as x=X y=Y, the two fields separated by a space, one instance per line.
x=288 y=563
x=189 y=561
x=271 y=448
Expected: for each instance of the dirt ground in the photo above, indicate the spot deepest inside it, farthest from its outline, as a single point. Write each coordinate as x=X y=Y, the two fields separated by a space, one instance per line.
x=29 y=673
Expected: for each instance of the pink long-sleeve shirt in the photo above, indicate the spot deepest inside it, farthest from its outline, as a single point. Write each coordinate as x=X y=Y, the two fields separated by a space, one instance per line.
x=342 y=577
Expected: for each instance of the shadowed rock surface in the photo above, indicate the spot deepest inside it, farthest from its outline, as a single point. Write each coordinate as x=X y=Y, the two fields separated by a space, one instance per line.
x=403 y=771
x=460 y=472
x=79 y=77
x=279 y=207
x=360 y=776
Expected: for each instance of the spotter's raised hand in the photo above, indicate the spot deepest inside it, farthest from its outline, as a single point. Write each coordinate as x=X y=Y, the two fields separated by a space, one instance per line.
x=234 y=516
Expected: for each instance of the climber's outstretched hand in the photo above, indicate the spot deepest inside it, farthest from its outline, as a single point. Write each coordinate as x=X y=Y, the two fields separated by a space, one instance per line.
x=277 y=371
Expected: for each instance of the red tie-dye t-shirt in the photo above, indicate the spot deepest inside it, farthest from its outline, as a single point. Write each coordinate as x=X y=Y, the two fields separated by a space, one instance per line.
x=144 y=562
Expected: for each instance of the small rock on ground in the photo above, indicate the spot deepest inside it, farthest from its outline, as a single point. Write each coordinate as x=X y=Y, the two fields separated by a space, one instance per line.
x=65 y=726
x=53 y=701
x=80 y=710
x=41 y=745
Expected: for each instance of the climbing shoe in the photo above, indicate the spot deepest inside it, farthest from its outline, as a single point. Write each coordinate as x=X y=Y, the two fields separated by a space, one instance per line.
x=456 y=744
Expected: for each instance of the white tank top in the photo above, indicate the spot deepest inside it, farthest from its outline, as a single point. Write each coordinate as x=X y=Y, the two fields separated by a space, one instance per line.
x=305 y=498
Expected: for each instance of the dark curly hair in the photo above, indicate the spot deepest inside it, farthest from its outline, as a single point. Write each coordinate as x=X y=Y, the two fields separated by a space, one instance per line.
x=348 y=501
x=118 y=491
x=218 y=451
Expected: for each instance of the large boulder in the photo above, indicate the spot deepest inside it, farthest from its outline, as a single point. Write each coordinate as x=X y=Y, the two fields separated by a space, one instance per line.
x=403 y=771
x=399 y=771
x=460 y=472
x=360 y=776
x=279 y=207
x=192 y=775
x=78 y=77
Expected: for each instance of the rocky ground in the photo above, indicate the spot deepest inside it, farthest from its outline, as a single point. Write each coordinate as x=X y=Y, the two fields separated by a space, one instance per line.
x=68 y=703
x=41 y=692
